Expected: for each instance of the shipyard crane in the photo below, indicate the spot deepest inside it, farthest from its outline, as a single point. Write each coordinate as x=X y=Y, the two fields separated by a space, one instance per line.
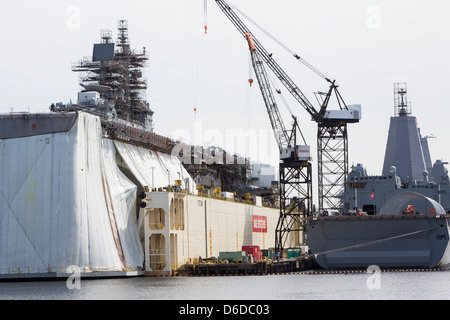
x=295 y=164
x=332 y=138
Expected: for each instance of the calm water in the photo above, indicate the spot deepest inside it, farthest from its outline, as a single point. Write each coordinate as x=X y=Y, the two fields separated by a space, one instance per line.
x=433 y=285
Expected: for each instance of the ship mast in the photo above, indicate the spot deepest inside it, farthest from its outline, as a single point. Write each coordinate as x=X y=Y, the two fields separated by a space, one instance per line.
x=401 y=105
x=116 y=73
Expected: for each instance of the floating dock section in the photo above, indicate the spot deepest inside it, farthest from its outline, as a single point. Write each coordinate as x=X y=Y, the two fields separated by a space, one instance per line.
x=69 y=201
x=180 y=227
x=64 y=201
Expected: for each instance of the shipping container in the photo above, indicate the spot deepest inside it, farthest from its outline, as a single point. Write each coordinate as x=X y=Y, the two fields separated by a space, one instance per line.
x=254 y=251
x=237 y=256
x=267 y=253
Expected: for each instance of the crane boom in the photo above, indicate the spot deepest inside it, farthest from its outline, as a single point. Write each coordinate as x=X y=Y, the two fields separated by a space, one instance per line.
x=315 y=70
x=281 y=135
x=271 y=63
x=332 y=136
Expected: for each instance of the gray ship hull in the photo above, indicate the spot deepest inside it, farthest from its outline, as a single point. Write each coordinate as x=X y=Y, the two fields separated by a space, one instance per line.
x=386 y=241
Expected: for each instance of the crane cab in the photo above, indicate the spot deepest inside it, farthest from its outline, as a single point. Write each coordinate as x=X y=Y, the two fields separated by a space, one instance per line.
x=353 y=114
x=297 y=153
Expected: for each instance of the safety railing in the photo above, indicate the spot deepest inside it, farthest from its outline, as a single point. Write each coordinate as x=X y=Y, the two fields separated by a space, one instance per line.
x=68 y=269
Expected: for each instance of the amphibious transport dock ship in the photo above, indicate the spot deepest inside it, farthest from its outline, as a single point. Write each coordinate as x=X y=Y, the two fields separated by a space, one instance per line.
x=89 y=187
x=397 y=219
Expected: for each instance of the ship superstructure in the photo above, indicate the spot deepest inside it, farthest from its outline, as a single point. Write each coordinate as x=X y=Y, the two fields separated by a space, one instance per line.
x=407 y=168
x=113 y=81
x=113 y=88
x=396 y=219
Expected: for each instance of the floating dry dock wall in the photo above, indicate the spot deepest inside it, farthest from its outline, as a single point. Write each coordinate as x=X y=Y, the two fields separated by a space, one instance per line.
x=179 y=227
x=68 y=197
x=64 y=201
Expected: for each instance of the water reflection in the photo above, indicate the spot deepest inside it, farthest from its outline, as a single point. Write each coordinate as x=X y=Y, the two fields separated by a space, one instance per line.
x=393 y=286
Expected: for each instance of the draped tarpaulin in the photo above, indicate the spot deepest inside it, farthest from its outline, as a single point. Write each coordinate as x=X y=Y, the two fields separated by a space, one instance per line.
x=154 y=169
x=64 y=201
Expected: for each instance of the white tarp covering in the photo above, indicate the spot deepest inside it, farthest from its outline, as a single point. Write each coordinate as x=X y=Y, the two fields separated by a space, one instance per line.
x=64 y=202
x=154 y=169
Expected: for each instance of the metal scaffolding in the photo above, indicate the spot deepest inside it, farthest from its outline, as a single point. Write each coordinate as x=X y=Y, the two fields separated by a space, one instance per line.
x=120 y=71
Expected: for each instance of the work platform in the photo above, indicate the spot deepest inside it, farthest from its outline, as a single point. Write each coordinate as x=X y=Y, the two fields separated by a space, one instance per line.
x=179 y=228
x=257 y=268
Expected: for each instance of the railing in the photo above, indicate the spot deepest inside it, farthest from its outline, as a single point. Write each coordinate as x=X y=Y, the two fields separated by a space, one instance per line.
x=209 y=196
x=69 y=269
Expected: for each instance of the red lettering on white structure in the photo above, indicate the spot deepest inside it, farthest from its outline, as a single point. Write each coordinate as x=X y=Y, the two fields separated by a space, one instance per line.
x=259 y=224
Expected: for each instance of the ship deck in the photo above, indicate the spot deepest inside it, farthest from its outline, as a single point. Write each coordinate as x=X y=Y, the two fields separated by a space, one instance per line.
x=377 y=217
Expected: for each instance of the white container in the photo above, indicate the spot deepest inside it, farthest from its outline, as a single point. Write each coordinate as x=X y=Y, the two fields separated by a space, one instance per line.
x=88 y=98
x=258 y=201
x=353 y=113
x=302 y=153
x=228 y=195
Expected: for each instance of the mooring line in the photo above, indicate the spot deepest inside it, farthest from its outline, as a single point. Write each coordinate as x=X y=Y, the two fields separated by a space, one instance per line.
x=369 y=243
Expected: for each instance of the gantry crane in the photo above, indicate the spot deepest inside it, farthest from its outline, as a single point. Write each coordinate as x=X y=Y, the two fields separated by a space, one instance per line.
x=332 y=139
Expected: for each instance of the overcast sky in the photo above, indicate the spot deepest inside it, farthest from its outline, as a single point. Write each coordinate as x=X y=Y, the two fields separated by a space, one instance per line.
x=366 y=46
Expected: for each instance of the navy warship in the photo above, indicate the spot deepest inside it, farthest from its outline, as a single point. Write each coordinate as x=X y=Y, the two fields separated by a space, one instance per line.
x=397 y=219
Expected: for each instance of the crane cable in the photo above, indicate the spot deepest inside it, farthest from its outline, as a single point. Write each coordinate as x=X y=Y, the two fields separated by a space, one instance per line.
x=278 y=90
x=307 y=64
x=194 y=56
